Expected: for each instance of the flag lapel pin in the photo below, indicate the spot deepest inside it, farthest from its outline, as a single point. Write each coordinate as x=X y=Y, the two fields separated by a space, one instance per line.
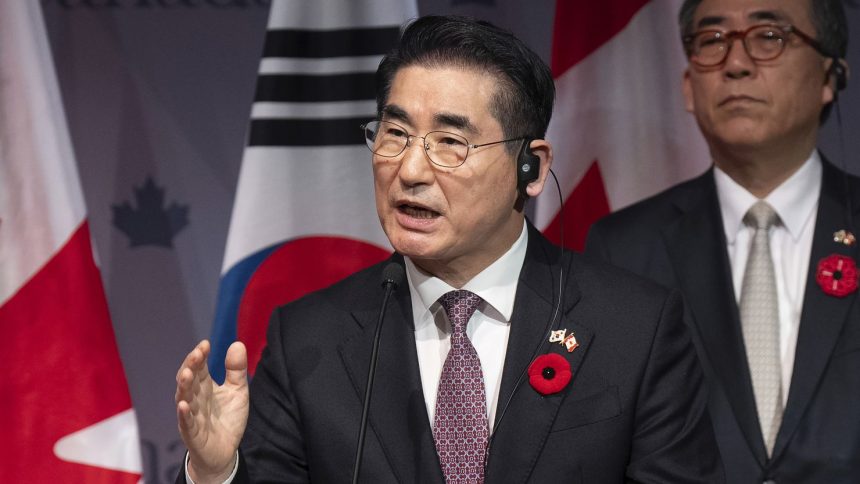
x=844 y=237
x=567 y=340
x=570 y=343
x=557 y=336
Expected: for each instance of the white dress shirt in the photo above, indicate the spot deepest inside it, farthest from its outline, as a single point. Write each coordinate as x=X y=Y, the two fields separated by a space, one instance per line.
x=488 y=329
x=796 y=203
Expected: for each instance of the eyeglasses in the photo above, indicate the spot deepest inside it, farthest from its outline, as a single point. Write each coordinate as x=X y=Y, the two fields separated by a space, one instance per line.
x=709 y=48
x=442 y=148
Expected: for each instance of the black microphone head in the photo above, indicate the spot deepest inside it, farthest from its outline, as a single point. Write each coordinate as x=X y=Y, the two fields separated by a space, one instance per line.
x=393 y=275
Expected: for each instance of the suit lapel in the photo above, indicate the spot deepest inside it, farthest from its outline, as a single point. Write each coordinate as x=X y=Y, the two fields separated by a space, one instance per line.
x=696 y=245
x=524 y=417
x=823 y=316
x=398 y=415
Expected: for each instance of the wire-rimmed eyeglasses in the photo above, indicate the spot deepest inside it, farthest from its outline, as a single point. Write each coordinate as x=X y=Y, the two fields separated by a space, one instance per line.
x=763 y=42
x=448 y=150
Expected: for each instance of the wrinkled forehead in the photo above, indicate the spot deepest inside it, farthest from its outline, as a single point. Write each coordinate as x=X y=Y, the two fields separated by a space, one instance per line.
x=739 y=14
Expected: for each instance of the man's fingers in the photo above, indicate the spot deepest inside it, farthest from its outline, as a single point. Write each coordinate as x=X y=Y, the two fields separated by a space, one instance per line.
x=188 y=393
x=196 y=359
x=187 y=426
x=185 y=387
x=183 y=384
x=236 y=364
x=190 y=374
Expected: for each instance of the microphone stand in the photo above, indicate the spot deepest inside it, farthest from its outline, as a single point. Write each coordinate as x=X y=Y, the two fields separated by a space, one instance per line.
x=390 y=284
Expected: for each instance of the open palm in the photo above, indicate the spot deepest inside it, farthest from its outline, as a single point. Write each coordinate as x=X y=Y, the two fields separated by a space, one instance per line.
x=212 y=417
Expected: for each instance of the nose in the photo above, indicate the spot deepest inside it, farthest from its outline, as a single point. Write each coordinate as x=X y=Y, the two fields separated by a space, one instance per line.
x=415 y=167
x=424 y=144
x=738 y=63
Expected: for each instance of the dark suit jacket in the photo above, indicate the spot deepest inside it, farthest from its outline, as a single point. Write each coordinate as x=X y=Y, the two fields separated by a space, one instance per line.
x=634 y=410
x=677 y=239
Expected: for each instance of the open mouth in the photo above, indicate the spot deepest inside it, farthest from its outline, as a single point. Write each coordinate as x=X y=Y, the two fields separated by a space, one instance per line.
x=416 y=211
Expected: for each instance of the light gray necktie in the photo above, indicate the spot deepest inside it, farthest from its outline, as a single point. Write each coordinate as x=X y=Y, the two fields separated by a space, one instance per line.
x=760 y=322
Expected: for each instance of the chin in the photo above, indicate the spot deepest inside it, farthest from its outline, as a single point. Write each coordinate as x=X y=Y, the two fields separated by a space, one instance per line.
x=414 y=246
x=740 y=134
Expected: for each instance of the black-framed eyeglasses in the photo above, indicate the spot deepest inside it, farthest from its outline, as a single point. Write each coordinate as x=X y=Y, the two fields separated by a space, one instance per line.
x=763 y=42
x=448 y=150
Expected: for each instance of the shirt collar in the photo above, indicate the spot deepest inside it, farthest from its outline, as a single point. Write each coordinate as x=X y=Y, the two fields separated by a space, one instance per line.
x=794 y=200
x=496 y=285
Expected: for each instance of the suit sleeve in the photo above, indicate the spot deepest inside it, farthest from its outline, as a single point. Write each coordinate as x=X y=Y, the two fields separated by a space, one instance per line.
x=673 y=439
x=272 y=448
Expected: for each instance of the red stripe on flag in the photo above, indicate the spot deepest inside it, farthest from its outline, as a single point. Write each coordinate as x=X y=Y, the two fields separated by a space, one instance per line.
x=582 y=26
x=297 y=268
x=62 y=371
x=583 y=207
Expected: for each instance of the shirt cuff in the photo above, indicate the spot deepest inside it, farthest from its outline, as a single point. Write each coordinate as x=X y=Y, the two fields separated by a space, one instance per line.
x=229 y=479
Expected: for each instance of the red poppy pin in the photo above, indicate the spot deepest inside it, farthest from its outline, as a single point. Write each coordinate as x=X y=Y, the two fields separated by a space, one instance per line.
x=837 y=275
x=549 y=373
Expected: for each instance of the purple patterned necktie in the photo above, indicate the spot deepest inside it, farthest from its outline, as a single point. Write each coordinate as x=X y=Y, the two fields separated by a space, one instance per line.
x=460 y=427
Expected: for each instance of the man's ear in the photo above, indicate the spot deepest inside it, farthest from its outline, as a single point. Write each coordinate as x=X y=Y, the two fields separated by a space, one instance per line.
x=543 y=150
x=687 y=89
x=837 y=78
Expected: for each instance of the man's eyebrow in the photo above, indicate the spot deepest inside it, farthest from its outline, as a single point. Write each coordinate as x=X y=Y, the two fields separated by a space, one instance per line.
x=710 y=21
x=395 y=112
x=759 y=15
x=767 y=15
x=456 y=121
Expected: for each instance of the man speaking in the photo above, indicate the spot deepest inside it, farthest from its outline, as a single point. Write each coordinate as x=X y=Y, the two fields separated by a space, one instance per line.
x=502 y=358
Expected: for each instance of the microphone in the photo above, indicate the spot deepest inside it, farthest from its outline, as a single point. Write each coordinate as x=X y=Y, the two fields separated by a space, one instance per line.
x=392 y=276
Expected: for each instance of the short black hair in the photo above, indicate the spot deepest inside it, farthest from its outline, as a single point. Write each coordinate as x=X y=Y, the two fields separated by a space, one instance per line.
x=525 y=95
x=828 y=18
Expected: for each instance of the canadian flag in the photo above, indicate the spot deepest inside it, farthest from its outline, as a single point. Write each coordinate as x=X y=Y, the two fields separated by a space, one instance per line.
x=619 y=130
x=67 y=414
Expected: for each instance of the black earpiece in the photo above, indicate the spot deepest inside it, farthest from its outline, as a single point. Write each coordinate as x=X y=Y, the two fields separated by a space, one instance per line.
x=838 y=72
x=528 y=167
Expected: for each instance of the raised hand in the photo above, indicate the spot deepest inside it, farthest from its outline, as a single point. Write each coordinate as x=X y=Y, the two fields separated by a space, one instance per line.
x=212 y=417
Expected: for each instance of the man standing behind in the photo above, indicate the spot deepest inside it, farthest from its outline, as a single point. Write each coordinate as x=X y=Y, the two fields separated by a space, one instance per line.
x=761 y=246
x=502 y=358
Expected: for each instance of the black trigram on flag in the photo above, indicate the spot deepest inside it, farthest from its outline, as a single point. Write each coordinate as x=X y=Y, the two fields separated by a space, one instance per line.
x=301 y=69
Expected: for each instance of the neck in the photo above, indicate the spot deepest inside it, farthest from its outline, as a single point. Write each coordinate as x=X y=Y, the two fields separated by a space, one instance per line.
x=455 y=279
x=758 y=170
